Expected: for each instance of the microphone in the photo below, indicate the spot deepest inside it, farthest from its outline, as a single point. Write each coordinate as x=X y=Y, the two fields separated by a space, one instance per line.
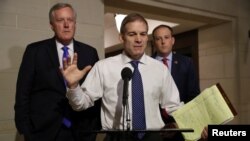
x=126 y=76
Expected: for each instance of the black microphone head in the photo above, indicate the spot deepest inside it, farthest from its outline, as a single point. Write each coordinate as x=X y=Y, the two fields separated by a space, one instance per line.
x=126 y=73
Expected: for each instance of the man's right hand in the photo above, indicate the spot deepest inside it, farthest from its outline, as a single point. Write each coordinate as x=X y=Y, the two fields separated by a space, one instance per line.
x=204 y=134
x=71 y=73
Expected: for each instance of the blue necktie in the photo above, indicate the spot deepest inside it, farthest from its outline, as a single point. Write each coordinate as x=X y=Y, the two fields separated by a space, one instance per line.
x=65 y=56
x=65 y=121
x=138 y=111
x=65 y=52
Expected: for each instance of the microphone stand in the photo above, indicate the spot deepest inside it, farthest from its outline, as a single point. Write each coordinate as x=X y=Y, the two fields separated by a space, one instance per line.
x=125 y=107
x=127 y=115
x=125 y=111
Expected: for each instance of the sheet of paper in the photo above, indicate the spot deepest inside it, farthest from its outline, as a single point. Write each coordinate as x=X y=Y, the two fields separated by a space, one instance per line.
x=207 y=108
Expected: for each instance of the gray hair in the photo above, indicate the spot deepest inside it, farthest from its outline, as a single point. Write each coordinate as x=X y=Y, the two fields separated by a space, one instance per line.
x=57 y=7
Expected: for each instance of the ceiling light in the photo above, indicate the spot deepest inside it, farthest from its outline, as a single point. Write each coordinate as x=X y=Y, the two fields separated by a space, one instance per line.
x=118 y=20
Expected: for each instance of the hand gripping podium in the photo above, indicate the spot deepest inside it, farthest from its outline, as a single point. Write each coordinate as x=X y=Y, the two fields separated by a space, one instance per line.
x=125 y=135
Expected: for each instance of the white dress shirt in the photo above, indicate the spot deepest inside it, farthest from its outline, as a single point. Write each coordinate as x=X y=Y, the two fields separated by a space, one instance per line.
x=104 y=81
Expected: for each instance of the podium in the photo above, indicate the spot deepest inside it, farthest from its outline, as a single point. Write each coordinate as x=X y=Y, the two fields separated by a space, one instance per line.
x=130 y=135
x=138 y=131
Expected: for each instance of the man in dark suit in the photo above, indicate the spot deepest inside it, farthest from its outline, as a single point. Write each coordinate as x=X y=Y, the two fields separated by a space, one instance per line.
x=181 y=68
x=42 y=111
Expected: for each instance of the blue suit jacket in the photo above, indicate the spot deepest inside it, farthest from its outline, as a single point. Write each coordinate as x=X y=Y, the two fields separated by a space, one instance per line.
x=185 y=77
x=41 y=103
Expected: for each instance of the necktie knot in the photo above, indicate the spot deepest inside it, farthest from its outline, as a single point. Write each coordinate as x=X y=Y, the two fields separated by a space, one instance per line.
x=65 y=52
x=165 y=61
x=135 y=64
x=65 y=48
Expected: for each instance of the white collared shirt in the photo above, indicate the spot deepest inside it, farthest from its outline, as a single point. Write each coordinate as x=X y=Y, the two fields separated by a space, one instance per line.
x=104 y=81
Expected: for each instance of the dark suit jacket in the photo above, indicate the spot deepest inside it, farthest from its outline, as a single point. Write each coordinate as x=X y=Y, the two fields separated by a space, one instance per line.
x=40 y=93
x=185 y=77
x=186 y=80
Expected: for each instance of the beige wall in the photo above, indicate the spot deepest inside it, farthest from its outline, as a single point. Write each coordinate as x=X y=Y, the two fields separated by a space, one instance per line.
x=217 y=60
x=243 y=42
x=25 y=21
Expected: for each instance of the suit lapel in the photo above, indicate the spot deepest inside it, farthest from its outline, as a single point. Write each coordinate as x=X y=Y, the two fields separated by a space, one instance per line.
x=76 y=49
x=52 y=50
x=53 y=54
x=174 y=65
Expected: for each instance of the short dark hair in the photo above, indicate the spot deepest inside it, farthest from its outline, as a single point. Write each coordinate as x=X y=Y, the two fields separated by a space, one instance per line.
x=131 y=18
x=57 y=7
x=162 y=26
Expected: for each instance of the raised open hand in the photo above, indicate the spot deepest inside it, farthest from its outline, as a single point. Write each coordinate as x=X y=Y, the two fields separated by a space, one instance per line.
x=71 y=73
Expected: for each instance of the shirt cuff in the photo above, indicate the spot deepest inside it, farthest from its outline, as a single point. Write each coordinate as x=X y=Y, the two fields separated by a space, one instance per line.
x=72 y=93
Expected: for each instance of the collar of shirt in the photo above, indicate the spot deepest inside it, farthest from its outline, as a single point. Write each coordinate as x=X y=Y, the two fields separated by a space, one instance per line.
x=169 y=57
x=127 y=60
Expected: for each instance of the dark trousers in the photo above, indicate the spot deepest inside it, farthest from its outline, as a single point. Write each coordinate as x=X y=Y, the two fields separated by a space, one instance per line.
x=65 y=134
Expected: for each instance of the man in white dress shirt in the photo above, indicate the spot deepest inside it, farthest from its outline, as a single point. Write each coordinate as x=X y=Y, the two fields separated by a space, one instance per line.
x=104 y=81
